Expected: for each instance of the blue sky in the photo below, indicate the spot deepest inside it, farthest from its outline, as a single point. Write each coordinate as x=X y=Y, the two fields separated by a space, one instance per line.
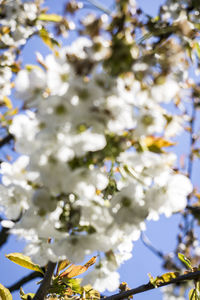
x=161 y=233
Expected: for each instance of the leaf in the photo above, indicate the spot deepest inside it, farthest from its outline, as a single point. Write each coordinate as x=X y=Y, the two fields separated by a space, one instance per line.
x=74 y=270
x=157 y=142
x=7 y=102
x=185 y=260
x=192 y=294
x=74 y=284
x=90 y=292
x=24 y=261
x=62 y=265
x=197 y=47
x=166 y=277
x=90 y=262
x=50 y=17
x=30 y=67
x=25 y=296
x=47 y=39
x=5 y=293
x=12 y=112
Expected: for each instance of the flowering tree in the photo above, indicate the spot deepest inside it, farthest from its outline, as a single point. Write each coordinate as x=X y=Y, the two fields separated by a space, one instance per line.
x=91 y=138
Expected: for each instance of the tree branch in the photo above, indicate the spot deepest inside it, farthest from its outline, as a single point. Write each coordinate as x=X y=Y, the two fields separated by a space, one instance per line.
x=150 y=286
x=99 y=6
x=43 y=289
x=25 y=279
x=6 y=140
x=148 y=244
x=4 y=234
x=192 y=140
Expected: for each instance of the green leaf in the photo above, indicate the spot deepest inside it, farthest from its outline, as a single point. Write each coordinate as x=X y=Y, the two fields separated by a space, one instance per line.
x=90 y=292
x=24 y=261
x=192 y=294
x=25 y=296
x=47 y=39
x=185 y=260
x=197 y=47
x=7 y=102
x=50 y=18
x=74 y=284
x=62 y=265
x=166 y=277
x=5 y=293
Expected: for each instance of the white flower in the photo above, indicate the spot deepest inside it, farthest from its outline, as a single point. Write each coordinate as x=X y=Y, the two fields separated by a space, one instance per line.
x=15 y=173
x=78 y=47
x=76 y=247
x=170 y=197
x=149 y=122
x=14 y=200
x=87 y=141
x=165 y=92
x=101 y=278
x=121 y=115
x=29 y=84
x=58 y=72
x=40 y=252
x=25 y=127
x=127 y=206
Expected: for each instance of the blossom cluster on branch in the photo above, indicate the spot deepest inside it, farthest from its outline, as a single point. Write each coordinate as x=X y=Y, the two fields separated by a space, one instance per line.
x=96 y=118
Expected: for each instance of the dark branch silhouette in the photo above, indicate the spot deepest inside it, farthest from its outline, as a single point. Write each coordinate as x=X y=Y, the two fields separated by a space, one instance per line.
x=6 y=140
x=149 y=286
x=46 y=282
x=25 y=279
x=4 y=234
x=149 y=245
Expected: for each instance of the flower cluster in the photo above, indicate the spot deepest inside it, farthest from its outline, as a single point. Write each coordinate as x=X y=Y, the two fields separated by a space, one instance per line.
x=92 y=167
x=18 y=22
x=86 y=177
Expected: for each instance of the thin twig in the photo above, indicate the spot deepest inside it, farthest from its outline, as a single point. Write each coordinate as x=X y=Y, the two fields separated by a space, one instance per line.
x=150 y=286
x=99 y=6
x=23 y=280
x=6 y=140
x=190 y=162
x=4 y=234
x=192 y=140
x=149 y=245
x=46 y=282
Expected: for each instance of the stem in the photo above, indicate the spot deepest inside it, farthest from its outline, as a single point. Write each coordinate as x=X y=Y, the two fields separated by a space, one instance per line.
x=23 y=280
x=4 y=234
x=99 y=6
x=6 y=140
x=148 y=244
x=192 y=140
x=150 y=286
x=43 y=289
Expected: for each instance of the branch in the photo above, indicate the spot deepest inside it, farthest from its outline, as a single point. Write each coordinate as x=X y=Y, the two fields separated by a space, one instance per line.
x=4 y=234
x=99 y=6
x=6 y=140
x=45 y=285
x=150 y=286
x=25 y=279
x=192 y=140
x=148 y=244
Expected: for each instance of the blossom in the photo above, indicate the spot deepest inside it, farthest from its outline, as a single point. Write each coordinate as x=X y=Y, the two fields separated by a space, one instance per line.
x=165 y=92
x=86 y=177
x=102 y=278
x=29 y=84
x=172 y=197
